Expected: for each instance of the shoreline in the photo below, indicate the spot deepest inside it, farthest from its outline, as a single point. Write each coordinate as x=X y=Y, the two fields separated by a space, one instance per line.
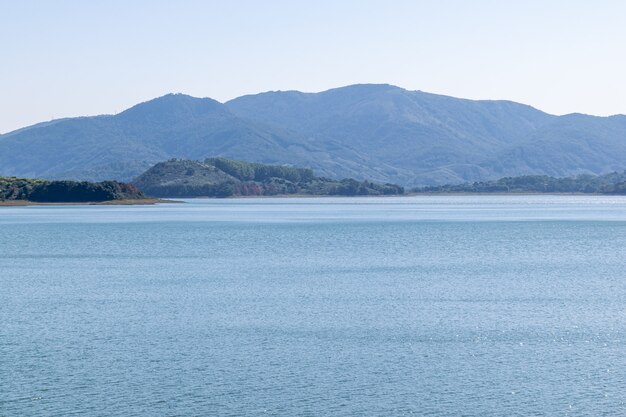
x=505 y=193
x=243 y=197
x=168 y=200
x=135 y=202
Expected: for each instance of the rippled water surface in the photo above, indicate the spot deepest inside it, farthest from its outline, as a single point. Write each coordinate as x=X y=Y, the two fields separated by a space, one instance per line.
x=450 y=306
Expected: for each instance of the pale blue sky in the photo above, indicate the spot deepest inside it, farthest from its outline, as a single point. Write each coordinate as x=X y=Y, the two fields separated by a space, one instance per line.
x=68 y=58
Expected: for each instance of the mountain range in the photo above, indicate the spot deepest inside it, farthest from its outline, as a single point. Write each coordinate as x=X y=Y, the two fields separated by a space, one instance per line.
x=379 y=132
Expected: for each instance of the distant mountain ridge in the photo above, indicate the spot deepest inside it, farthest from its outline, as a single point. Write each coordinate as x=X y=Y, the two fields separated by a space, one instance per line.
x=380 y=132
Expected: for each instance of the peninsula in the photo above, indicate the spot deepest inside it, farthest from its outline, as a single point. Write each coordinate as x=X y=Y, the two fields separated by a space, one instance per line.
x=24 y=191
x=221 y=177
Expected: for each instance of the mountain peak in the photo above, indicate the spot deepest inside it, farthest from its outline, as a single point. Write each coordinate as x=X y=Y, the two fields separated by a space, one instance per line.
x=367 y=87
x=173 y=104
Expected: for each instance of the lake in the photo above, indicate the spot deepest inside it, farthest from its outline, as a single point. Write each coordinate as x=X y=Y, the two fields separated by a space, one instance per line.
x=427 y=305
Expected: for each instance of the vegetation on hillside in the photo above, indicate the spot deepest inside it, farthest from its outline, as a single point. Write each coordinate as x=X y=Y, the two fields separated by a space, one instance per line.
x=614 y=183
x=44 y=191
x=220 y=177
x=246 y=171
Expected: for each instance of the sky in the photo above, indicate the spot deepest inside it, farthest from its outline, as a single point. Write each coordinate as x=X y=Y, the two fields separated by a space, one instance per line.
x=67 y=58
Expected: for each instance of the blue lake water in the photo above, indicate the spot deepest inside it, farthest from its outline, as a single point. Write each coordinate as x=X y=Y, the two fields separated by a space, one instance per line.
x=443 y=306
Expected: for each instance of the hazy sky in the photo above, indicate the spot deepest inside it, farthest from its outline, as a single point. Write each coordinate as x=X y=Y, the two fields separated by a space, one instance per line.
x=69 y=58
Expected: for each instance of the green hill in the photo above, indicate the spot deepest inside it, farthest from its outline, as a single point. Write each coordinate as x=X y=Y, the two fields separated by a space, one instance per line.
x=220 y=177
x=44 y=191
x=613 y=183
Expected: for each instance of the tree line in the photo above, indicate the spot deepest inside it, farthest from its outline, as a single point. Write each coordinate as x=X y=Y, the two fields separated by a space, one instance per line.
x=613 y=183
x=45 y=191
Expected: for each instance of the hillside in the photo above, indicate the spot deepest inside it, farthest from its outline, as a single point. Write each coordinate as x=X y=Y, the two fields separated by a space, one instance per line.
x=44 y=191
x=613 y=183
x=220 y=177
x=433 y=139
x=377 y=132
x=122 y=146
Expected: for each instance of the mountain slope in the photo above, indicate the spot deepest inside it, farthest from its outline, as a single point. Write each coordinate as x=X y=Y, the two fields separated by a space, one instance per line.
x=410 y=130
x=380 y=132
x=569 y=145
x=122 y=146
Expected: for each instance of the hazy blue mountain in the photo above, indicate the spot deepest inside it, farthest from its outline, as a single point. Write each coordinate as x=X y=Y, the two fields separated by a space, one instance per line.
x=568 y=145
x=429 y=138
x=380 y=132
x=122 y=146
x=436 y=139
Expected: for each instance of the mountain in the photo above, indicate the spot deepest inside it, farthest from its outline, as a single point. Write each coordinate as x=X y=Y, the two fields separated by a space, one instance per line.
x=122 y=146
x=380 y=132
x=221 y=177
x=433 y=139
x=569 y=145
